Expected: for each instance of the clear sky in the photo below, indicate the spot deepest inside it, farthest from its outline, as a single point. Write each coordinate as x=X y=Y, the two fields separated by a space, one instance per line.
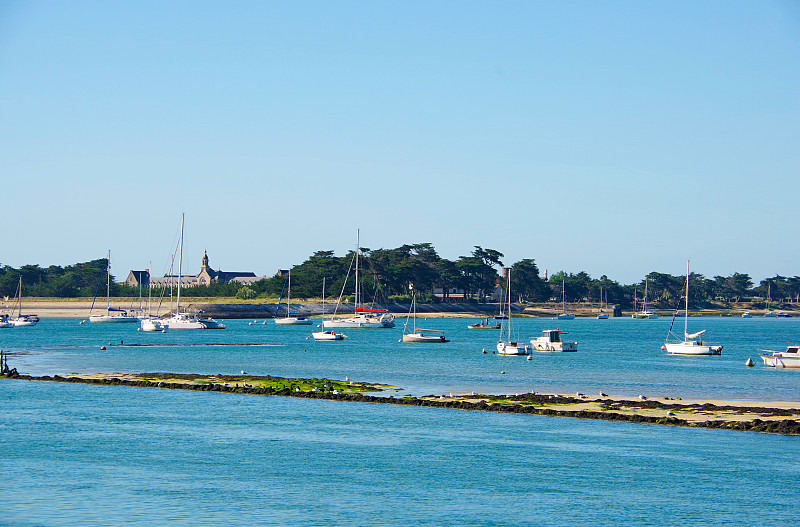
x=614 y=137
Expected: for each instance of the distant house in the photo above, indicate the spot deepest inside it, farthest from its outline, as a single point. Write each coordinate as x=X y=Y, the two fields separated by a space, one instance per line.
x=138 y=279
x=206 y=276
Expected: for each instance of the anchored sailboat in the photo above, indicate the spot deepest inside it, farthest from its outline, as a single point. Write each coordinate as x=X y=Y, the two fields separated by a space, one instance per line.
x=691 y=343
x=419 y=334
x=112 y=314
x=509 y=346
x=292 y=319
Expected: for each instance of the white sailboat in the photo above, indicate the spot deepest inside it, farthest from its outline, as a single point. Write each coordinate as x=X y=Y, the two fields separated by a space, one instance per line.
x=112 y=314
x=603 y=315
x=187 y=320
x=151 y=322
x=22 y=320
x=419 y=334
x=564 y=315
x=326 y=335
x=644 y=313
x=363 y=317
x=509 y=346
x=691 y=343
x=292 y=319
x=770 y=313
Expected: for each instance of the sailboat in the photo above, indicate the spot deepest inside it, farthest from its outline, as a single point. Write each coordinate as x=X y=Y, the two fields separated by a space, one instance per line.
x=769 y=313
x=22 y=320
x=364 y=317
x=112 y=314
x=326 y=335
x=644 y=313
x=292 y=319
x=691 y=343
x=151 y=322
x=419 y=334
x=187 y=320
x=510 y=347
x=564 y=315
x=603 y=315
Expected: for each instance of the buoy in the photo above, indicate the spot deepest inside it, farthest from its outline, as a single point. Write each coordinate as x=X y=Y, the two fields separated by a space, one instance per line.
x=529 y=358
x=163 y=331
x=663 y=348
x=749 y=362
x=250 y=324
x=102 y=347
x=138 y=329
x=502 y=373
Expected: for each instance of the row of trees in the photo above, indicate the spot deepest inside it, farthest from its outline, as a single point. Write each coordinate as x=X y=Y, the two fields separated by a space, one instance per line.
x=394 y=274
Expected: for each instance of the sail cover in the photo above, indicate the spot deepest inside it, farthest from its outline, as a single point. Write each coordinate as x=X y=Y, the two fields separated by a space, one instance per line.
x=368 y=310
x=694 y=335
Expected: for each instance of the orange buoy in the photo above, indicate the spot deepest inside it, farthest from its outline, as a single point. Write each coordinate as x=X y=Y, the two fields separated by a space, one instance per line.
x=102 y=347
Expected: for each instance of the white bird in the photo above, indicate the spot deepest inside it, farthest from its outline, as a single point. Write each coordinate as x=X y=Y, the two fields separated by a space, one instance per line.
x=603 y=394
x=642 y=397
x=244 y=372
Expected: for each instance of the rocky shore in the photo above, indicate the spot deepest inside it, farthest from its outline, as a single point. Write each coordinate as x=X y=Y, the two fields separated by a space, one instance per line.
x=752 y=417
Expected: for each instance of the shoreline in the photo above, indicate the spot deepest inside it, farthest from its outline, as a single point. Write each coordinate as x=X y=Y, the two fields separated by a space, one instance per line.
x=779 y=417
x=230 y=309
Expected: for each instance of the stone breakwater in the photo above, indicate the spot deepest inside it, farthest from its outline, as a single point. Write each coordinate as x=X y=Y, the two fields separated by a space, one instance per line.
x=748 y=419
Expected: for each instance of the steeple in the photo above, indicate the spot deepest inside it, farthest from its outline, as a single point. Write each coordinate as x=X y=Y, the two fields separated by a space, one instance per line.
x=204 y=264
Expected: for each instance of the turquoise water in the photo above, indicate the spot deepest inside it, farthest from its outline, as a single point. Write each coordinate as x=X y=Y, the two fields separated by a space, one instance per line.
x=98 y=455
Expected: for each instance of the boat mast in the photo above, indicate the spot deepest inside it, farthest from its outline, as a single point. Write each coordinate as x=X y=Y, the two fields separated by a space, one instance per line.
x=686 y=309
x=180 y=264
x=289 y=294
x=357 y=246
x=108 y=281
x=509 y=304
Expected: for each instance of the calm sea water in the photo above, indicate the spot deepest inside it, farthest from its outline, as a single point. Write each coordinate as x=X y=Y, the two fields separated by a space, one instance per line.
x=96 y=455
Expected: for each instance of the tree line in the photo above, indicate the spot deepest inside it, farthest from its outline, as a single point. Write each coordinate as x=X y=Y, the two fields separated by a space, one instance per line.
x=396 y=274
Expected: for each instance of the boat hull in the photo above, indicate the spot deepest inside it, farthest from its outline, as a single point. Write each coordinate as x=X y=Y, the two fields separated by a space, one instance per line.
x=418 y=337
x=512 y=348
x=294 y=321
x=327 y=335
x=556 y=347
x=691 y=348
x=365 y=322
x=111 y=319
x=565 y=316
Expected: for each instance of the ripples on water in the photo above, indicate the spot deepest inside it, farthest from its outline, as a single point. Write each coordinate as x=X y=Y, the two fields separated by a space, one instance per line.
x=97 y=455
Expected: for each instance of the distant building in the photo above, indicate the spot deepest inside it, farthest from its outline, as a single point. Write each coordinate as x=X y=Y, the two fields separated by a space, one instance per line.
x=138 y=279
x=206 y=275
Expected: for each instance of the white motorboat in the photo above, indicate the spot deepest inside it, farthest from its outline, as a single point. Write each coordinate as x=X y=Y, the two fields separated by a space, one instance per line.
x=187 y=320
x=551 y=341
x=782 y=359
x=112 y=314
x=364 y=317
x=509 y=346
x=747 y=314
x=418 y=334
x=291 y=319
x=691 y=343
x=153 y=324
x=484 y=324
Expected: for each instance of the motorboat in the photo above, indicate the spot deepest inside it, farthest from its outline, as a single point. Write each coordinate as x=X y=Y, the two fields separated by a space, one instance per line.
x=691 y=343
x=484 y=324
x=551 y=341
x=510 y=346
x=153 y=324
x=112 y=314
x=783 y=314
x=782 y=359
x=363 y=318
x=291 y=319
x=327 y=335
x=747 y=314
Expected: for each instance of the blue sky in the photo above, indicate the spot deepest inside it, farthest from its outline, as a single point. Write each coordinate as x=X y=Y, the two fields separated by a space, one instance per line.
x=616 y=137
